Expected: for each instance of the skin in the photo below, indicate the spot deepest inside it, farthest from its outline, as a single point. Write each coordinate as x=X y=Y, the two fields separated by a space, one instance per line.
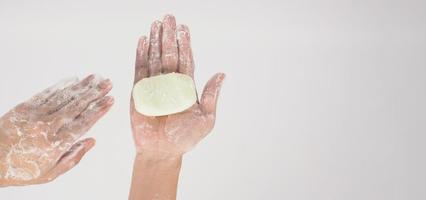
x=162 y=141
x=38 y=138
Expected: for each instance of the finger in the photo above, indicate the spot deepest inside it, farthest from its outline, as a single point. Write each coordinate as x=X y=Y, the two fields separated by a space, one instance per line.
x=63 y=97
x=81 y=101
x=211 y=93
x=42 y=97
x=154 y=60
x=70 y=159
x=186 y=62
x=141 y=66
x=75 y=129
x=169 y=54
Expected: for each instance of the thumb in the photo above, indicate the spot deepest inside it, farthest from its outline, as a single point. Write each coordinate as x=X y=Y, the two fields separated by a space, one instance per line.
x=70 y=159
x=211 y=93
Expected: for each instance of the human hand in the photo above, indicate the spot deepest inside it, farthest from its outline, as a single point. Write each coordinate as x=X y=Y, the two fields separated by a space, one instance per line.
x=168 y=50
x=38 y=137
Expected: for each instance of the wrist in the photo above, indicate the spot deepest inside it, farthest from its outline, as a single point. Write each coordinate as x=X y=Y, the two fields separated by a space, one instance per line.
x=155 y=175
x=153 y=162
x=157 y=156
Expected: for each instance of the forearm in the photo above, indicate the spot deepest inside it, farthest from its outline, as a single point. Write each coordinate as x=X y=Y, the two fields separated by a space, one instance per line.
x=155 y=176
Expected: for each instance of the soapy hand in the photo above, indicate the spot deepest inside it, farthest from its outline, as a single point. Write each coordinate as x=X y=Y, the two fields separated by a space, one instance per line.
x=168 y=50
x=38 y=137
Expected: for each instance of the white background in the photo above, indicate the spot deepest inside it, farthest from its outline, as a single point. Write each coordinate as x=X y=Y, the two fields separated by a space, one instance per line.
x=323 y=99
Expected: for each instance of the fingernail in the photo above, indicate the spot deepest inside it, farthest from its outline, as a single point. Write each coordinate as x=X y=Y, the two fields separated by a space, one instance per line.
x=105 y=84
x=110 y=100
x=89 y=144
x=90 y=77
x=156 y=24
x=87 y=80
x=222 y=76
x=168 y=16
x=107 y=100
x=182 y=32
x=182 y=27
x=142 y=38
x=141 y=42
x=168 y=19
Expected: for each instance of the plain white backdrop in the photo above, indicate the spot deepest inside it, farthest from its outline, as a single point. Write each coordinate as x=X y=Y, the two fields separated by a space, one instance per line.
x=323 y=99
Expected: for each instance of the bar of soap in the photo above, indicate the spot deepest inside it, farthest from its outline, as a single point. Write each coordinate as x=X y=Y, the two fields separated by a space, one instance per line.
x=164 y=94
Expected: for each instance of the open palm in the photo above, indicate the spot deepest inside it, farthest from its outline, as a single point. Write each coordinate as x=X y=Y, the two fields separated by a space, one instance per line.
x=168 y=50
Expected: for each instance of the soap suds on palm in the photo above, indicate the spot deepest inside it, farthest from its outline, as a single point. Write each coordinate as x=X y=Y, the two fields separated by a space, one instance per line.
x=164 y=94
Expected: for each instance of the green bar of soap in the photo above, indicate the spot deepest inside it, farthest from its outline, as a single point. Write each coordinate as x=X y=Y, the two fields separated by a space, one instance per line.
x=164 y=94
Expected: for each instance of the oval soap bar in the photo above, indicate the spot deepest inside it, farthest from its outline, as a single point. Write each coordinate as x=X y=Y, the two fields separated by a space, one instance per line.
x=164 y=94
